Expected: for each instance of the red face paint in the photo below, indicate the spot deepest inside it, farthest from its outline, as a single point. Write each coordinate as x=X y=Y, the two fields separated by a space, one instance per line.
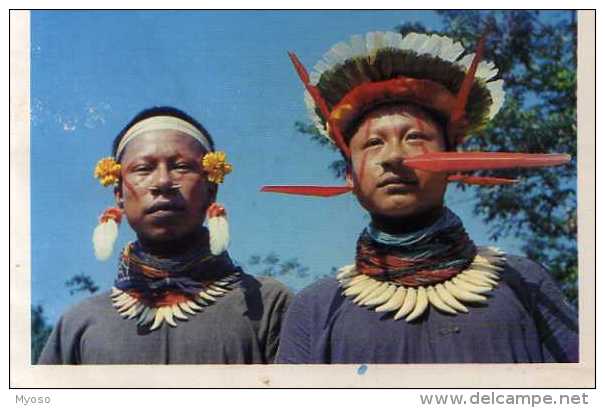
x=362 y=170
x=131 y=189
x=364 y=159
x=419 y=125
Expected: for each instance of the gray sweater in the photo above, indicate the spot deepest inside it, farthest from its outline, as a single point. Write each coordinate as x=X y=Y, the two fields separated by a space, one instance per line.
x=242 y=327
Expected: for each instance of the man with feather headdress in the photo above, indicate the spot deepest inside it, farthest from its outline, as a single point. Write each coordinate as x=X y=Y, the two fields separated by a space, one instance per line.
x=420 y=289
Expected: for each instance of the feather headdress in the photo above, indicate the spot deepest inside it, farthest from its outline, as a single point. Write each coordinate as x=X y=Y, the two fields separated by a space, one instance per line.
x=380 y=57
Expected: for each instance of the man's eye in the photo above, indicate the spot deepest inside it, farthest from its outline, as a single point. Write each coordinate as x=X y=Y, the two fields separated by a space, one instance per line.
x=373 y=142
x=141 y=169
x=183 y=166
x=416 y=136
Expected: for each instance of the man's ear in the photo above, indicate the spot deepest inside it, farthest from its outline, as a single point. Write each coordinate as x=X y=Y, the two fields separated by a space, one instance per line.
x=349 y=179
x=349 y=176
x=212 y=192
x=117 y=193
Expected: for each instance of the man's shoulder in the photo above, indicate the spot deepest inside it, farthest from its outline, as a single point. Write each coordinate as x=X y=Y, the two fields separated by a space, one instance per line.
x=319 y=291
x=266 y=285
x=525 y=268
x=88 y=307
x=270 y=283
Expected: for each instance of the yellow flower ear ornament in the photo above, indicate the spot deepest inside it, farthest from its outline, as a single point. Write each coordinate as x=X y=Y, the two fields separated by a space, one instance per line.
x=107 y=171
x=216 y=166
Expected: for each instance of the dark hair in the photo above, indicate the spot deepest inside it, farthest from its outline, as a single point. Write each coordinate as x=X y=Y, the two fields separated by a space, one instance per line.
x=159 y=111
x=438 y=118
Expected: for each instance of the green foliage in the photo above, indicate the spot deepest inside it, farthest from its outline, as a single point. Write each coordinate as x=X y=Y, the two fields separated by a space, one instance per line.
x=271 y=265
x=40 y=330
x=290 y=270
x=338 y=167
x=536 y=55
x=81 y=283
x=537 y=60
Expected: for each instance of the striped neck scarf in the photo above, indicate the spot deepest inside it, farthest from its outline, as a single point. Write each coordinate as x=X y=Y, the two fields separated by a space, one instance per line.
x=152 y=276
x=427 y=256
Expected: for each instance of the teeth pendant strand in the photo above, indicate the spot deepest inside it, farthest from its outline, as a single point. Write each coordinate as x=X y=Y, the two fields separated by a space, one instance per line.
x=451 y=297
x=130 y=307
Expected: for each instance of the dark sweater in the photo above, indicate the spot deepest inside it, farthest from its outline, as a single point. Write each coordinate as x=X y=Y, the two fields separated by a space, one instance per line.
x=525 y=320
x=242 y=327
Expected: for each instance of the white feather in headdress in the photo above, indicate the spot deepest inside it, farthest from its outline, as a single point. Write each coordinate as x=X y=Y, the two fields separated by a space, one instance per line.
x=432 y=45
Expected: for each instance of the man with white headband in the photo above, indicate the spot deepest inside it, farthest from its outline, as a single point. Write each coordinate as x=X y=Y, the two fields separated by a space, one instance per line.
x=419 y=290
x=178 y=297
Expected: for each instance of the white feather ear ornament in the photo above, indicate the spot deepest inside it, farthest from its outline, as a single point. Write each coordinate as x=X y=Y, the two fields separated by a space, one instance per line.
x=106 y=233
x=218 y=228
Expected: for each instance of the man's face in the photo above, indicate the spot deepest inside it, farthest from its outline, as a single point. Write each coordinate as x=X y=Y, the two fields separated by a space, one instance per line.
x=381 y=182
x=164 y=190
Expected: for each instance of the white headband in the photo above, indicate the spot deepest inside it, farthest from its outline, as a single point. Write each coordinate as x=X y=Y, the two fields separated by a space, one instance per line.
x=162 y=123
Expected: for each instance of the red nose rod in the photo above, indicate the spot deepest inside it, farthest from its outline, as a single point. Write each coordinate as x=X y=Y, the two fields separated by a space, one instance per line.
x=314 y=191
x=453 y=162
x=446 y=162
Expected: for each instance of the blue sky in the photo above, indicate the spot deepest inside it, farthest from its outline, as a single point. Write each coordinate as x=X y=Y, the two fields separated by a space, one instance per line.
x=92 y=71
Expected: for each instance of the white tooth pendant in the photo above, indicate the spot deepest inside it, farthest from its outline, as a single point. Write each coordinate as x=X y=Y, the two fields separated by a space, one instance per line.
x=375 y=293
x=143 y=315
x=126 y=305
x=383 y=297
x=122 y=299
x=449 y=296
x=357 y=287
x=176 y=312
x=394 y=302
x=408 y=304
x=194 y=306
x=462 y=294
x=470 y=287
x=159 y=318
x=218 y=289
x=475 y=280
x=422 y=302
x=367 y=289
x=347 y=272
x=150 y=316
x=115 y=292
x=206 y=296
x=213 y=292
x=349 y=282
x=449 y=299
x=169 y=316
x=436 y=301
x=131 y=307
x=185 y=307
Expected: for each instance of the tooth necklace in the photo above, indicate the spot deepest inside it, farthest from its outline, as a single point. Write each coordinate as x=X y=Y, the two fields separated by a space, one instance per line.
x=438 y=265
x=449 y=296
x=155 y=290
x=173 y=307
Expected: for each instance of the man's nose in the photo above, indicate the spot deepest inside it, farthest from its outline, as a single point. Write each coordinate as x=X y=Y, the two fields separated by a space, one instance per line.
x=162 y=181
x=393 y=155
